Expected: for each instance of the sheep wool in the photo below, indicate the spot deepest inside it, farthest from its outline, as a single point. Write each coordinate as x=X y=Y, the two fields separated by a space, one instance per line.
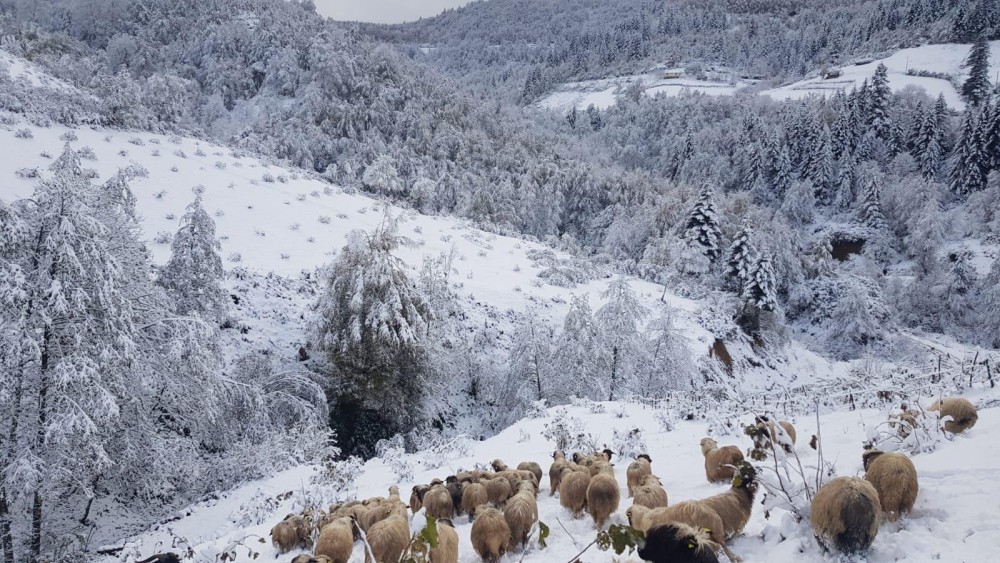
x=474 y=495
x=573 y=490
x=336 y=540
x=846 y=514
x=603 y=497
x=438 y=503
x=556 y=470
x=636 y=471
x=521 y=513
x=447 y=547
x=650 y=493
x=490 y=534
x=720 y=462
x=895 y=479
x=963 y=413
x=388 y=538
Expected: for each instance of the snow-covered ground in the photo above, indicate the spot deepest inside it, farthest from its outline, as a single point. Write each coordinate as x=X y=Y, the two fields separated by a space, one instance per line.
x=954 y=518
x=943 y=59
x=602 y=93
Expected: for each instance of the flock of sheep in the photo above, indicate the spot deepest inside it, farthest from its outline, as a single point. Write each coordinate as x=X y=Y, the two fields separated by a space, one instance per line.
x=502 y=506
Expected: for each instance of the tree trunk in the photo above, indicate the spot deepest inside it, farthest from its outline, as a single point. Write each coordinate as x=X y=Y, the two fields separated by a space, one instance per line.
x=43 y=391
x=5 y=539
x=90 y=502
x=614 y=372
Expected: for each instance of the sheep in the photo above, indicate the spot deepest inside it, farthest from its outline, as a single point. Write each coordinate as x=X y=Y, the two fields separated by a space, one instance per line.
x=498 y=489
x=291 y=533
x=962 y=412
x=304 y=558
x=447 y=547
x=490 y=534
x=764 y=424
x=455 y=490
x=388 y=538
x=690 y=513
x=336 y=540
x=601 y=466
x=636 y=471
x=650 y=493
x=520 y=513
x=438 y=503
x=603 y=497
x=720 y=463
x=474 y=495
x=573 y=490
x=533 y=467
x=723 y=515
x=895 y=478
x=678 y=543
x=846 y=514
x=555 y=470
x=417 y=497
x=368 y=516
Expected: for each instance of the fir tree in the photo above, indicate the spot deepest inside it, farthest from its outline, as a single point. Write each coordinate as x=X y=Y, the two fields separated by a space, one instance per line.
x=578 y=353
x=820 y=170
x=761 y=291
x=193 y=275
x=878 y=104
x=853 y=324
x=969 y=164
x=782 y=179
x=976 y=88
x=741 y=259
x=800 y=203
x=871 y=204
x=702 y=227
x=991 y=134
x=927 y=147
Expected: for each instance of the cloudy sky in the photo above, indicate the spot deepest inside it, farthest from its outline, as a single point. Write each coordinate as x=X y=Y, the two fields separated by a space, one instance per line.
x=384 y=11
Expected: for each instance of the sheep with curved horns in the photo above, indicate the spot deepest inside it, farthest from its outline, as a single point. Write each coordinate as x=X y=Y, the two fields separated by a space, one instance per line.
x=678 y=543
x=895 y=479
x=720 y=463
x=846 y=515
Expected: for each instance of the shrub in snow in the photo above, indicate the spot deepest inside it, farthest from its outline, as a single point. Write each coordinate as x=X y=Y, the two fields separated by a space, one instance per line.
x=156 y=152
x=259 y=233
x=258 y=509
x=68 y=136
x=294 y=226
x=199 y=152
x=523 y=436
x=324 y=219
x=154 y=141
x=180 y=153
x=665 y=418
x=537 y=409
x=24 y=134
x=45 y=154
x=337 y=479
x=163 y=237
x=436 y=450
x=267 y=177
x=220 y=165
x=285 y=256
x=234 y=257
x=87 y=153
x=300 y=197
x=393 y=453
x=123 y=153
x=137 y=141
x=171 y=216
x=27 y=173
x=628 y=444
x=566 y=432
x=284 y=180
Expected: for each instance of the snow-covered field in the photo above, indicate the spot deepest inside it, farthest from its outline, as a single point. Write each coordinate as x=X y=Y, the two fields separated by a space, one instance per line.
x=944 y=59
x=955 y=518
x=602 y=93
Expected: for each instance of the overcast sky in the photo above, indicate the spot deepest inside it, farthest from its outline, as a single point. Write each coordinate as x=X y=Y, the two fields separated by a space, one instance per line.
x=384 y=11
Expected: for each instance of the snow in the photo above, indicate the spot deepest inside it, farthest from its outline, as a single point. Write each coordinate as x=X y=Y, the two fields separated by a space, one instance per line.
x=944 y=58
x=950 y=522
x=18 y=68
x=602 y=93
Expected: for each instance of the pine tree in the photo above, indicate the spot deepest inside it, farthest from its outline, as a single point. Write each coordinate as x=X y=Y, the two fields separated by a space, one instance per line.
x=741 y=259
x=800 y=203
x=370 y=320
x=878 y=104
x=845 y=194
x=193 y=275
x=618 y=321
x=871 y=204
x=989 y=308
x=927 y=147
x=853 y=324
x=976 y=88
x=761 y=291
x=991 y=134
x=820 y=170
x=702 y=227
x=969 y=164
x=783 y=174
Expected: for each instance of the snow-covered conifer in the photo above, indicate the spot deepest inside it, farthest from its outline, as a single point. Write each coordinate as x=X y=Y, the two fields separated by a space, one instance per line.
x=193 y=275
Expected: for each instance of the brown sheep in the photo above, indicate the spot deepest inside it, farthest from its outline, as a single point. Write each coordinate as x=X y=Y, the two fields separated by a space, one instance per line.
x=846 y=515
x=291 y=533
x=368 y=516
x=336 y=540
x=764 y=424
x=555 y=470
x=388 y=538
x=724 y=515
x=690 y=512
x=498 y=489
x=636 y=471
x=533 y=467
x=601 y=466
x=720 y=463
x=650 y=493
x=455 y=490
x=603 y=497
x=417 y=497
x=678 y=543
x=962 y=412
x=474 y=495
x=520 y=513
x=573 y=490
x=304 y=558
x=490 y=534
x=499 y=466
x=895 y=478
x=437 y=502
x=447 y=547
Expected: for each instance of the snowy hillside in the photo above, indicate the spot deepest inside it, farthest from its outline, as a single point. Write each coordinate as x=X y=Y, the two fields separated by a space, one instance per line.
x=668 y=81
x=934 y=68
x=950 y=522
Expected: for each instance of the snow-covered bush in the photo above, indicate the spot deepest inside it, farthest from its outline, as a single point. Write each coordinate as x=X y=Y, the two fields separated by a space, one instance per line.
x=392 y=452
x=24 y=134
x=628 y=444
x=567 y=432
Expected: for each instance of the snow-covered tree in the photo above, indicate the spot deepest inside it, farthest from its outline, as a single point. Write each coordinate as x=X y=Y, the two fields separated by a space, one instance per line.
x=976 y=88
x=800 y=203
x=422 y=194
x=577 y=358
x=870 y=203
x=193 y=275
x=702 y=226
x=619 y=321
x=531 y=357
x=879 y=104
x=853 y=323
x=927 y=147
x=669 y=363
x=382 y=177
x=370 y=320
x=970 y=165
x=989 y=308
x=741 y=259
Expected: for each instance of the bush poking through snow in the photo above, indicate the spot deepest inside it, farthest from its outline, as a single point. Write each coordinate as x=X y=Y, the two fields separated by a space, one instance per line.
x=629 y=444
x=567 y=432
